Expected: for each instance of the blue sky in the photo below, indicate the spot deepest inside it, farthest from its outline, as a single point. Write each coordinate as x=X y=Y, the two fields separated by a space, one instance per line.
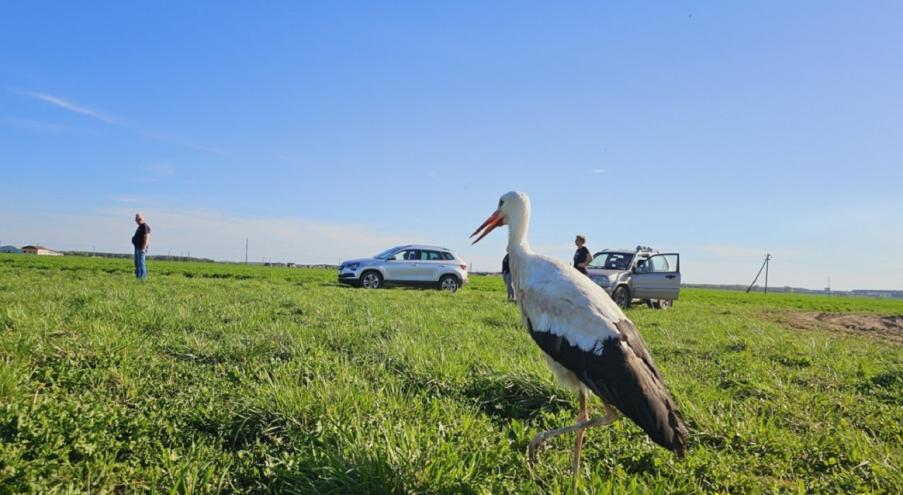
x=328 y=131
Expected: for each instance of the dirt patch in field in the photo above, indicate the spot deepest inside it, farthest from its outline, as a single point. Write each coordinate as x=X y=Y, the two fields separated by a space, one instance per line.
x=888 y=328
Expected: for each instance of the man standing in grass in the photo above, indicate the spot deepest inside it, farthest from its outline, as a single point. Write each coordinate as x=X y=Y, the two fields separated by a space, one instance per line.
x=140 y=240
x=506 y=275
x=582 y=257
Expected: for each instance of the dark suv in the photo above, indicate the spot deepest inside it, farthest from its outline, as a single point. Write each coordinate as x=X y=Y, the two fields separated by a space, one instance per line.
x=643 y=274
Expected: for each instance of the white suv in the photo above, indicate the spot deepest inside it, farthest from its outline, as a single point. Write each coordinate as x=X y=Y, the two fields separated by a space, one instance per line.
x=411 y=265
x=643 y=274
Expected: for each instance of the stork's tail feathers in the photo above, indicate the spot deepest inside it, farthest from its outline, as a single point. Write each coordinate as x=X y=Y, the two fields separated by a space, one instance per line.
x=627 y=378
x=679 y=434
x=658 y=416
x=624 y=376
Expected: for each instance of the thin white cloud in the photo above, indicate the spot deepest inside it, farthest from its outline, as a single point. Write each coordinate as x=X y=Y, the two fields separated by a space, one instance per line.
x=135 y=200
x=598 y=171
x=182 y=142
x=40 y=126
x=156 y=172
x=742 y=252
x=160 y=169
x=89 y=112
x=206 y=233
x=221 y=235
x=563 y=251
x=72 y=107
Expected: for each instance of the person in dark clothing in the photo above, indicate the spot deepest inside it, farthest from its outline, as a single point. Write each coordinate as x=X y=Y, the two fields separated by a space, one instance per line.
x=582 y=257
x=140 y=240
x=506 y=274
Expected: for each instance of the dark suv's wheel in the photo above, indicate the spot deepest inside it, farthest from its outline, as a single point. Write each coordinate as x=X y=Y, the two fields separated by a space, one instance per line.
x=371 y=280
x=449 y=283
x=621 y=296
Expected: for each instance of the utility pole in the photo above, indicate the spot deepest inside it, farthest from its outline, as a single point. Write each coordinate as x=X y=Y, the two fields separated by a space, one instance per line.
x=765 y=267
x=246 y=250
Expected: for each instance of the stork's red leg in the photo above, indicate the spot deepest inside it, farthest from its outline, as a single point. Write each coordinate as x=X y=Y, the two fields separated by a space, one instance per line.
x=541 y=437
x=582 y=416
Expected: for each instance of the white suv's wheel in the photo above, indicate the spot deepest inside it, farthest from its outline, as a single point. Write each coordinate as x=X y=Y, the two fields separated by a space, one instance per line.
x=371 y=280
x=449 y=283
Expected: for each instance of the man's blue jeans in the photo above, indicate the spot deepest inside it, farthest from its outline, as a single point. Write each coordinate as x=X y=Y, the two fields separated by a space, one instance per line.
x=507 y=277
x=140 y=264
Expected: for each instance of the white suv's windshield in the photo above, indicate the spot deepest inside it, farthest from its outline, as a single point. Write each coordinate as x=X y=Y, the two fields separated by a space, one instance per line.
x=612 y=261
x=385 y=254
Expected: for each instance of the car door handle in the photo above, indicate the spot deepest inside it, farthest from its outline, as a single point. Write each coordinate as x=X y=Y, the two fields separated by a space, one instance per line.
x=670 y=276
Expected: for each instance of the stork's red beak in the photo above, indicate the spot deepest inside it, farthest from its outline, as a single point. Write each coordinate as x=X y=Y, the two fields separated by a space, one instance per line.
x=492 y=222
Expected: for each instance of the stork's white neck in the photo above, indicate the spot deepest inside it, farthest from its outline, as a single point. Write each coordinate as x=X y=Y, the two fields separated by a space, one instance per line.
x=518 y=225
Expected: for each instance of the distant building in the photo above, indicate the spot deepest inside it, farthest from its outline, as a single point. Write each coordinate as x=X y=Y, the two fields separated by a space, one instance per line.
x=878 y=293
x=10 y=250
x=40 y=250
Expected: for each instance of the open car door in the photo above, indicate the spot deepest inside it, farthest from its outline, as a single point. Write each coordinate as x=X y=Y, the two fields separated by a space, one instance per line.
x=660 y=279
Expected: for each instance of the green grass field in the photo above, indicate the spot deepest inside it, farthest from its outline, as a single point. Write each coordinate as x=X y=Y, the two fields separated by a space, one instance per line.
x=219 y=378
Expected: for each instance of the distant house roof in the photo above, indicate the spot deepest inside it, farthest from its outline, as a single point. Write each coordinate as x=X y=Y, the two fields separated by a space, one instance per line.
x=37 y=248
x=9 y=249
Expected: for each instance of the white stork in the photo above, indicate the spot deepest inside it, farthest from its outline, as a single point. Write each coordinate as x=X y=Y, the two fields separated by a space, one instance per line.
x=588 y=341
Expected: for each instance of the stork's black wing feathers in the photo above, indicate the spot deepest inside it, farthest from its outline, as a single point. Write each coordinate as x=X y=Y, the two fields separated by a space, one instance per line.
x=625 y=376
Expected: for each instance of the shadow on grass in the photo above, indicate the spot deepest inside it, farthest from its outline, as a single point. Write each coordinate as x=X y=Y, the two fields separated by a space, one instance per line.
x=499 y=322
x=886 y=387
x=243 y=430
x=235 y=276
x=261 y=352
x=515 y=395
x=299 y=461
x=502 y=396
x=360 y=472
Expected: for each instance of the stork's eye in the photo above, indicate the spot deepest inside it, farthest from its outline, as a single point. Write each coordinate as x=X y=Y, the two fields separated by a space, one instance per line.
x=500 y=203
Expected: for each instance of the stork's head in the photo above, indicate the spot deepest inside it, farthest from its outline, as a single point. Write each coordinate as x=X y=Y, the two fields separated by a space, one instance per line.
x=513 y=207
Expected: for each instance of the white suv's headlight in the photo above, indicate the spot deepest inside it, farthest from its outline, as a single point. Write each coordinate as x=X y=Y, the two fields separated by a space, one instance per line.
x=352 y=266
